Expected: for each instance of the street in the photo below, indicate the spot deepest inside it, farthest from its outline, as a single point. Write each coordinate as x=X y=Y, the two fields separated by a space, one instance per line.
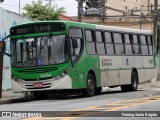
x=146 y=99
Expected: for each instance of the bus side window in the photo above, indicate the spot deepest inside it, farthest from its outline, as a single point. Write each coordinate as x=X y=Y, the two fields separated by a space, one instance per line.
x=144 y=47
x=90 y=42
x=119 y=48
x=150 y=45
x=128 y=45
x=109 y=43
x=136 y=47
x=76 y=42
x=100 y=43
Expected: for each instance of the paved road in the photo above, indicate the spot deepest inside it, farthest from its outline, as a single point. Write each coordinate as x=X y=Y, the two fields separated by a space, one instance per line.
x=115 y=100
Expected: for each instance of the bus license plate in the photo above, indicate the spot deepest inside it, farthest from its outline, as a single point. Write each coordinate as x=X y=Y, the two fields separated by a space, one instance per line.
x=37 y=85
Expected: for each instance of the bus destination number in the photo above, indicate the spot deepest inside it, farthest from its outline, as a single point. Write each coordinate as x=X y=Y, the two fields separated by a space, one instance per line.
x=45 y=75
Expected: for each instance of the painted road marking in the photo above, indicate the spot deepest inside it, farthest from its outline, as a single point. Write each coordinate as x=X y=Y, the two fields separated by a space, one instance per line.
x=113 y=106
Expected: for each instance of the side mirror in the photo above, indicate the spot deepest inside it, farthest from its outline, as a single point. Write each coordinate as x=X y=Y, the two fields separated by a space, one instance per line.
x=4 y=46
x=74 y=43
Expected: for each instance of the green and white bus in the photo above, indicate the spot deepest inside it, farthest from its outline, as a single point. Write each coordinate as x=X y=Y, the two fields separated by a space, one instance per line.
x=62 y=55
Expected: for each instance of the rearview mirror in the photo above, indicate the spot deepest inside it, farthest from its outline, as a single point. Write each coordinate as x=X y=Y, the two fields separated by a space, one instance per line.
x=4 y=46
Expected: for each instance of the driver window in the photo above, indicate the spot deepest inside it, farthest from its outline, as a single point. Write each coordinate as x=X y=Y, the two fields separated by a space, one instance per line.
x=75 y=35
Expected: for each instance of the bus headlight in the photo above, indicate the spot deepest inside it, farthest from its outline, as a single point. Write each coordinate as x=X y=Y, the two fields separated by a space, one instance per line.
x=17 y=80
x=62 y=74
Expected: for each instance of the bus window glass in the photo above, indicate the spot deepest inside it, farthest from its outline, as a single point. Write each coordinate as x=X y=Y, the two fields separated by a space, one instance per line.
x=76 y=52
x=91 y=48
x=150 y=50
x=117 y=38
x=99 y=43
x=110 y=48
x=143 y=40
x=150 y=45
x=128 y=45
x=109 y=43
x=98 y=36
x=144 y=49
x=90 y=42
x=40 y=51
x=75 y=35
x=149 y=40
x=88 y=35
x=108 y=37
x=144 y=46
x=73 y=32
x=135 y=39
x=100 y=48
x=128 y=48
x=127 y=39
x=119 y=49
x=136 y=46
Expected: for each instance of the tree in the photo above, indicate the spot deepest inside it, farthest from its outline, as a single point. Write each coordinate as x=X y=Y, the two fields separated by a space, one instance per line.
x=37 y=11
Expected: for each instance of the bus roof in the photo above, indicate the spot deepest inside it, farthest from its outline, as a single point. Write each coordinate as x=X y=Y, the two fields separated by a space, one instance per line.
x=121 y=29
x=88 y=25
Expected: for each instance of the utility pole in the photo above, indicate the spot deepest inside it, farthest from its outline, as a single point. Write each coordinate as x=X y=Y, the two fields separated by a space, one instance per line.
x=80 y=5
x=103 y=11
x=155 y=24
x=142 y=17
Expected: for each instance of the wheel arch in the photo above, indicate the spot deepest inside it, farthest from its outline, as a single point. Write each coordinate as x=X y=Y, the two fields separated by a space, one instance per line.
x=94 y=75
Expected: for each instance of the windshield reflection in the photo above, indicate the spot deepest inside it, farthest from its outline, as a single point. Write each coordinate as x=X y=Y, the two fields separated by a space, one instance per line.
x=39 y=51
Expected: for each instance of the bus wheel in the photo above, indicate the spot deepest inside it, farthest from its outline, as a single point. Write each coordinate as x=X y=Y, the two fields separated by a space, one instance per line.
x=98 y=90
x=90 y=90
x=134 y=83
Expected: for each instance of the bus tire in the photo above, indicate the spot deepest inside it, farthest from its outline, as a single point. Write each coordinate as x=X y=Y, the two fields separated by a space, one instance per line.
x=98 y=90
x=134 y=83
x=90 y=90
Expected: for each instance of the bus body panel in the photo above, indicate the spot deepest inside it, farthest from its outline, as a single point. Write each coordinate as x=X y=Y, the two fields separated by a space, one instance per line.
x=48 y=85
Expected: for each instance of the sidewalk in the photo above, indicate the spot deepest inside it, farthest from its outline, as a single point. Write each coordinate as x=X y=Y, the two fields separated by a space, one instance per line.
x=10 y=97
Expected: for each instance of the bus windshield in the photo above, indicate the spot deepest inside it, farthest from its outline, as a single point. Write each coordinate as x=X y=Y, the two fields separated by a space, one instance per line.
x=39 y=51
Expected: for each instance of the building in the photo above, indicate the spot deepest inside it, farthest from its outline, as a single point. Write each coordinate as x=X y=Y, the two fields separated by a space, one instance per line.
x=124 y=13
x=67 y=18
x=129 y=6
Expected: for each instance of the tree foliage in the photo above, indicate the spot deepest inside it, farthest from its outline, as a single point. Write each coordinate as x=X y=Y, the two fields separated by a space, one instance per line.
x=38 y=11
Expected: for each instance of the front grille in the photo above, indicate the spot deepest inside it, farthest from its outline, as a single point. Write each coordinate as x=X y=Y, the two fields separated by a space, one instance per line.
x=45 y=85
x=37 y=70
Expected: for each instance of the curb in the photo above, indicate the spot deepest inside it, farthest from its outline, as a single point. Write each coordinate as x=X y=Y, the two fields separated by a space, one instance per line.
x=11 y=100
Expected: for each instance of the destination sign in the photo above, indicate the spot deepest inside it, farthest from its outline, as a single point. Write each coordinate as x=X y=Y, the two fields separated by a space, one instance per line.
x=37 y=28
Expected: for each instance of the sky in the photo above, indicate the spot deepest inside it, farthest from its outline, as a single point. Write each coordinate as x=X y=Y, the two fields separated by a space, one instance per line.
x=13 y=5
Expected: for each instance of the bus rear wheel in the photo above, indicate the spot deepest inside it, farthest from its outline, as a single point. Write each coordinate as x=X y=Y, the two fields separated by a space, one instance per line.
x=90 y=90
x=134 y=83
